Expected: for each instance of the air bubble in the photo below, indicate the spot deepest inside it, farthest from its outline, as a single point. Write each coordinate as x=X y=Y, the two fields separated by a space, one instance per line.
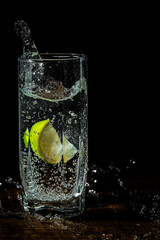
x=72 y=114
x=35 y=102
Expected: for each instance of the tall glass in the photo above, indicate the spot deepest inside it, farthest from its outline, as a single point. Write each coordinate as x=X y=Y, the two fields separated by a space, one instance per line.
x=53 y=147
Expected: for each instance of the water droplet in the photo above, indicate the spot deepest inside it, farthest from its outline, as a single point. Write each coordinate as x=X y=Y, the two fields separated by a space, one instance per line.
x=93 y=192
x=87 y=184
x=132 y=161
x=8 y=179
x=19 y=197
x=120 y=182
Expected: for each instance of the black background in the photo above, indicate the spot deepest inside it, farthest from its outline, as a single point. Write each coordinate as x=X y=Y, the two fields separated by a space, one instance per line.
x=121 y=45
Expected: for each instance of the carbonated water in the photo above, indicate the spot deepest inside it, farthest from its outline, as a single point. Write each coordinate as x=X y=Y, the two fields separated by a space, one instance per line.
x=64 y=181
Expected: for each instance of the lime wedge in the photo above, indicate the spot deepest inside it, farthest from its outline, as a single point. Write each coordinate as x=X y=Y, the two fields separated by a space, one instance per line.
x=68 y=150
x=45 y=142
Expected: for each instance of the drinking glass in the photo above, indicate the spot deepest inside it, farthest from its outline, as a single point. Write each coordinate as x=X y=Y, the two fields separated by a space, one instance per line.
x=53 y=138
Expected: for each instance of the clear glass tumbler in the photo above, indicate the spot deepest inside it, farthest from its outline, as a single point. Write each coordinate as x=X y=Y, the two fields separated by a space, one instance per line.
x=53 y=138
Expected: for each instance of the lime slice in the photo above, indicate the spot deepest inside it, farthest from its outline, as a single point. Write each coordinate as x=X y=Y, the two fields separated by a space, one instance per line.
x=68 y=150
x=26 y=138
x=45 y=142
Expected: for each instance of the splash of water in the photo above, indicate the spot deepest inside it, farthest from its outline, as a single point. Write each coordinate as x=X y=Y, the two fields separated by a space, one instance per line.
x=109 y=184
x=29 y=48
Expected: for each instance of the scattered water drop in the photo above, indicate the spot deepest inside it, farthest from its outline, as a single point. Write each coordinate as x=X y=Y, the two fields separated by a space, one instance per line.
x=120 y=182
x=87 y=184
x=93 y=192
x=113 y=175
x=9 y=180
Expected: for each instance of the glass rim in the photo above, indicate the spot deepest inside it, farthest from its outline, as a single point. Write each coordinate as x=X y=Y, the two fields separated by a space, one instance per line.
x=49 y=57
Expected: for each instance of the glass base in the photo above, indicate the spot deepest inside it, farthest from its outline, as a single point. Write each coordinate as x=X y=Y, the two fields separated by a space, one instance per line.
x=68 y=209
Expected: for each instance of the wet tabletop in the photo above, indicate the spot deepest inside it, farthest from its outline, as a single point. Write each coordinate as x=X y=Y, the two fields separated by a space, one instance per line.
x=110 y=214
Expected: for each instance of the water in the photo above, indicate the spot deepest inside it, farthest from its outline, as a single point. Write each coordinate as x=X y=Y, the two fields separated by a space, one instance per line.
x=43 y=181
x=23 y=31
